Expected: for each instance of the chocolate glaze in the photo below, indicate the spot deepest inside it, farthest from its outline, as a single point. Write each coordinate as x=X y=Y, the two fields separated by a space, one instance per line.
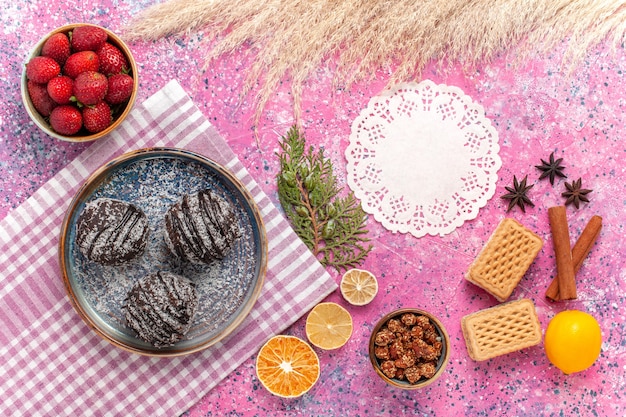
x=111 y=232
x=160 y=308
x=201 y=227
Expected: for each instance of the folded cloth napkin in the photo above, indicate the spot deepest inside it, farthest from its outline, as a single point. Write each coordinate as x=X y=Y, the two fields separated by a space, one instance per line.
x=53 y=364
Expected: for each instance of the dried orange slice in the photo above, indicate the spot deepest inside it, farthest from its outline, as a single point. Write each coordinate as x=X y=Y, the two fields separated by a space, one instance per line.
x=358 y=287
x=328 y=326
x=287 y=366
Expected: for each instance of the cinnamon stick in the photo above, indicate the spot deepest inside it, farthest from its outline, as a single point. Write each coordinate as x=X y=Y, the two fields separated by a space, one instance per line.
x=562 y=252
x=581 y=249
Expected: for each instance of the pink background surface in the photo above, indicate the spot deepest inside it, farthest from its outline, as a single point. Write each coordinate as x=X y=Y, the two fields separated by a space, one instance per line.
x=536 y=109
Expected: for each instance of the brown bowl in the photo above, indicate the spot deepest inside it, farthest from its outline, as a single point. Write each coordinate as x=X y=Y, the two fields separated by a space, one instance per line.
x=134 y=177
x=119 y=116
x=440 y=362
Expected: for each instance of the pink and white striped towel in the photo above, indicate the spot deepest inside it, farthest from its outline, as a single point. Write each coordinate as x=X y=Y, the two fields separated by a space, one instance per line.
x=54 y=365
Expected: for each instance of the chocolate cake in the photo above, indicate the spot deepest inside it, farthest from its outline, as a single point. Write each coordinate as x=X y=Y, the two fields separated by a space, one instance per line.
x=161 y=307
x=111 y=232
x=201 y=227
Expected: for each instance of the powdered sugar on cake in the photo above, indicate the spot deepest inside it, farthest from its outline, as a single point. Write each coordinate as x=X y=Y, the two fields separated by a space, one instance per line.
x=201 y=227
x=111 y=232
x=160 y=308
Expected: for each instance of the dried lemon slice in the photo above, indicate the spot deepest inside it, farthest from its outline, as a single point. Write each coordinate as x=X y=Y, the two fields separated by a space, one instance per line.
x=328 y=326
x=287 y=366
x=358 y=287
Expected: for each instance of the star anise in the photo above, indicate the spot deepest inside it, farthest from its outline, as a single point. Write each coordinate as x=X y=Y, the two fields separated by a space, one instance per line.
x=575 y=193
x=517 y=194
x=551 y=169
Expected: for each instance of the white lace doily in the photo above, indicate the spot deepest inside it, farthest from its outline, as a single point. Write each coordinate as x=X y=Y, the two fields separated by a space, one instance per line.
x=423 y=158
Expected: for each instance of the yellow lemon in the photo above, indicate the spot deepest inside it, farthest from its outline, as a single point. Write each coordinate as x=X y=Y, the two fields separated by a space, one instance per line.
x=328 y=326
x=573 y=341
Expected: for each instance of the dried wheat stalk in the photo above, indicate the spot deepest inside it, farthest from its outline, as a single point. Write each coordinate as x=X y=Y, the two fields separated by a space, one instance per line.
x=291 y=38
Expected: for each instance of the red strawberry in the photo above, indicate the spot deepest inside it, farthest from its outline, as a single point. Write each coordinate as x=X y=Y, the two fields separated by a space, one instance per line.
x=42 y=69
x=120 y=88
x=66 y=120
x=81 y=62
x=40 y=98
x=61 y=89
x=57 y=47
x=97 y=118
x=90 y=87
x=88 y=38
x=112 y=60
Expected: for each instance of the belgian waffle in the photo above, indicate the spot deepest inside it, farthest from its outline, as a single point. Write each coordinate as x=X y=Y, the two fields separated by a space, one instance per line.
x=502 y=329
x=504 y=259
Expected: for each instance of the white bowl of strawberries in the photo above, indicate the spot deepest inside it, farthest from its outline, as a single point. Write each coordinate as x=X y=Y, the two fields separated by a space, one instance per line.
x=79 y=83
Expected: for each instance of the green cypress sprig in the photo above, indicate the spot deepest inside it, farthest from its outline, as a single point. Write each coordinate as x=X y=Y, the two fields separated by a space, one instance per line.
x=332 y=226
